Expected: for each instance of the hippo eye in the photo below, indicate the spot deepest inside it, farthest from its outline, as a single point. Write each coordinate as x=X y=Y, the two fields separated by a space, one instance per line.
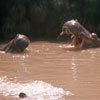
x=17 y=36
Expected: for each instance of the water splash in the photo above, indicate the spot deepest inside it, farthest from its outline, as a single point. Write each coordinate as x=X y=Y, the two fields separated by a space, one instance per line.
x=35 y=90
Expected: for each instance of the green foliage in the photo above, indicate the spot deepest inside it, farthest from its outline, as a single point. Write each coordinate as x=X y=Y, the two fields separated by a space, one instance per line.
x=44 y=18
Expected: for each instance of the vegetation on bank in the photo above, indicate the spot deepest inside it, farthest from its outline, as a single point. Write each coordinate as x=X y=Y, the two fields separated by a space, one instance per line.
x=44 y=18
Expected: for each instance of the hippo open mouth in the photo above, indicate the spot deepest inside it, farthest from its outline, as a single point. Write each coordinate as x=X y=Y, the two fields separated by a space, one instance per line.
x=81 y=38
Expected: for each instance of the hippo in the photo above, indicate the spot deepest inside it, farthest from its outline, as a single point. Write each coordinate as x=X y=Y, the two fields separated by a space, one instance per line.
x=17 y=45
x=81 y=38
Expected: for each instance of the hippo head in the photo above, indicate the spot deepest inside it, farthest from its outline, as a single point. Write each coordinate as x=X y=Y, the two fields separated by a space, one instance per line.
x=80 y=36
x=20 y=42
x=70 y=27
x=74 y=28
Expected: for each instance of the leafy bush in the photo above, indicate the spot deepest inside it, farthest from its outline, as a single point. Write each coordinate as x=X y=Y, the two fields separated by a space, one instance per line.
x=44 y=18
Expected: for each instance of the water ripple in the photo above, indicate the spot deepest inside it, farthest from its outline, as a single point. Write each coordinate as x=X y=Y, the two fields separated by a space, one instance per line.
x=35 y=90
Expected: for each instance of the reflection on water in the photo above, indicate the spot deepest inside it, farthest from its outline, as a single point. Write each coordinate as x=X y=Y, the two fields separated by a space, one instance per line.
x=74 y=69
x=51 y=72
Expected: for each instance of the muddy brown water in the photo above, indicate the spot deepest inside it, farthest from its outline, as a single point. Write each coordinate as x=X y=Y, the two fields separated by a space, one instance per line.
x=50 y=72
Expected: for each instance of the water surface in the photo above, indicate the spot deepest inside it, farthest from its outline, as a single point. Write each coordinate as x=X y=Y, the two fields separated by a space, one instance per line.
x=51 y=72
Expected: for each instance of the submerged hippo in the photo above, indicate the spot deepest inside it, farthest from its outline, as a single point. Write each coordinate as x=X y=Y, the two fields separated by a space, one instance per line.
x=16 y=45
x=81 y=38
